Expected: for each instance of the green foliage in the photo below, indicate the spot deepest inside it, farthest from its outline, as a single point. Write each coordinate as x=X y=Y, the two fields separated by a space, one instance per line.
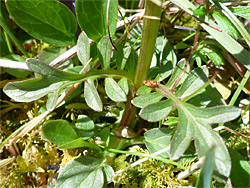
x=49 y=21
x=101 y=101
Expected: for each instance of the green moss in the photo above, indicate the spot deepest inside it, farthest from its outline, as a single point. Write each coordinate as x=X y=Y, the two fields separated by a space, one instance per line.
x=151 y=173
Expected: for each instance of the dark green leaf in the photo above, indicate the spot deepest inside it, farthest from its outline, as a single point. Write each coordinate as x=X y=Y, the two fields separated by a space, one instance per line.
x=49 y=21
x=91 y=95
x=114 y=91
x=83 y=49
x=157 y=139
x=91 y=16
x=78 y=143
x=84 y=123
x=213 y=55
x=240 y=172
x=59 y=132
x=83 y=172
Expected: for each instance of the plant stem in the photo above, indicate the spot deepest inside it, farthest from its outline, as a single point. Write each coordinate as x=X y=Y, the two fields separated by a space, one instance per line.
x=8 y=42
x=149 y=34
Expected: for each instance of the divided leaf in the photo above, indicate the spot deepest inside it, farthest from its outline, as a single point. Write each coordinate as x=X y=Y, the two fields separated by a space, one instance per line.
x=49 y=21
x=194 y=122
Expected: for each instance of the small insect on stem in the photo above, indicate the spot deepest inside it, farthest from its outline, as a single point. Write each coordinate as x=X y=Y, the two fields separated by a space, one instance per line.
x=150 y=83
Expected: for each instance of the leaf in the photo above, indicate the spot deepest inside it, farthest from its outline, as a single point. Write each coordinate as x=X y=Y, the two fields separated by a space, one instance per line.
x=241 y=11
x=240 y=172
x=52 y=100
x=194 y=82
x=78 y=143
x=49 y=21
x=143 y=90
x=214 y=55
x=177 y=72
x=83 y=49
x=92 y=97
x=144 y=100
x=157 y=139
x=83 y=172
x=194 y=123
x=122 y=57
x=108 y=172
x=84 y=123
x=157 y=111
x=104 y=51
x=91 y=16
x=114 y=91
x=224 y=39
x=165 y=71
x=59 y=132
x=205 y=177
x=226 y=25
x=123 y=83
x=32 y=89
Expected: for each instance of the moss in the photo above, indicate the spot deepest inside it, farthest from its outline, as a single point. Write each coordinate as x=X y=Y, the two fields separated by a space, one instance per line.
x=151 y=173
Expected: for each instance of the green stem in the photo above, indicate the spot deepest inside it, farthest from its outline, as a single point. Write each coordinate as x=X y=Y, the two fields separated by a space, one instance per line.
x=12 y=36
x=149 y=34
x=8 y=42
x=240 y=87
x=238 y=90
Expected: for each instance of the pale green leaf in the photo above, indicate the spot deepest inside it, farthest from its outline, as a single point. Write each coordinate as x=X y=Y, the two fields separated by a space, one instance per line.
x=114 y=91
